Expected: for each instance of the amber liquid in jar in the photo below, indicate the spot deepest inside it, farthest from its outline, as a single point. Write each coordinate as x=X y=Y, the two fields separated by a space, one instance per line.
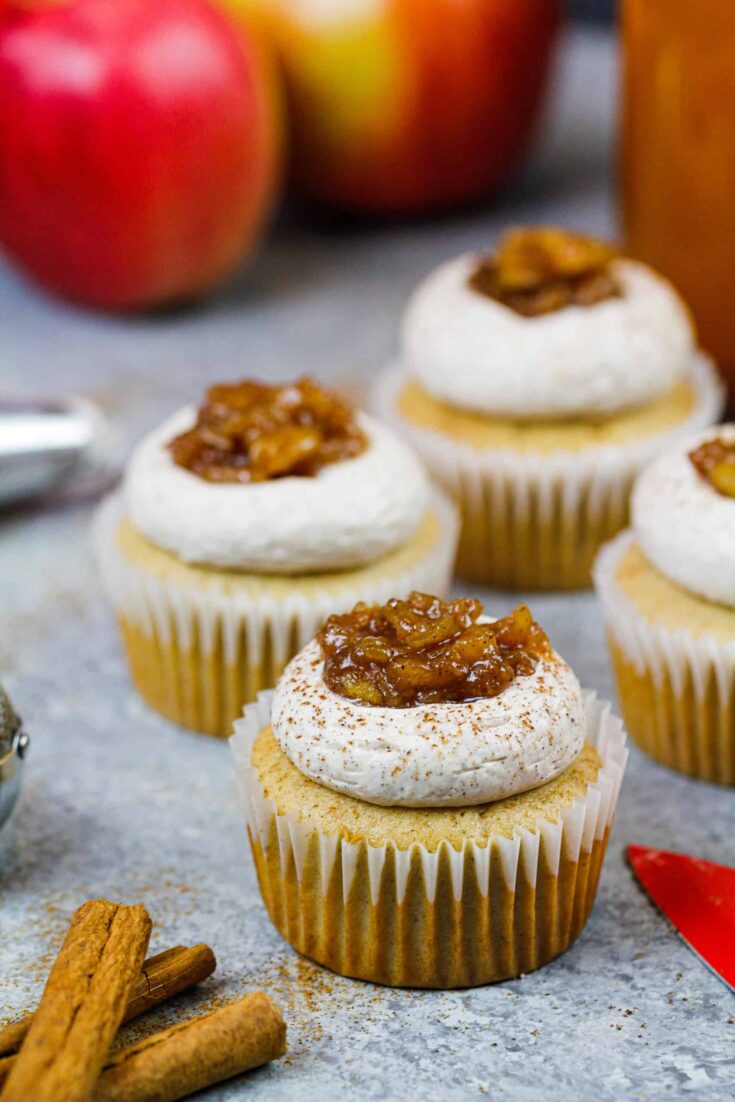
x=678 y=155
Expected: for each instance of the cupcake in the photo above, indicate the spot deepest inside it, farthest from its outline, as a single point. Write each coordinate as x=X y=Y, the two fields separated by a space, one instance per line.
x=667 y=588
x=242 y=525
x=429 y=795
x=536 y=382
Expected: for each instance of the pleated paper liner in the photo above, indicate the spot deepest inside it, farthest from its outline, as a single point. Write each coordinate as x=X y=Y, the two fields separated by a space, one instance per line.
x=202 y=643
x=419 y=918
x=676 y=691
x=536 y=521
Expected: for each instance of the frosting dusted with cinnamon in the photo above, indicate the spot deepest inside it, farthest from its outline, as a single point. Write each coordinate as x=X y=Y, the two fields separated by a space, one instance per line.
x=424 y=650
x=536 y=271
x=439 y=754
x=251 y=432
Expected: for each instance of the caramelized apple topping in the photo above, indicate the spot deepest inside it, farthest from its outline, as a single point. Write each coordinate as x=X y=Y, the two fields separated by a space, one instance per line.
x=537 y=271
x=426 y=651
x=252 y=432
x=715 y=461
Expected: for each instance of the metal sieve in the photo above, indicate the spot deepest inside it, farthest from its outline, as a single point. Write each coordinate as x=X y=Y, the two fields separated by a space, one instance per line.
x=14 y=744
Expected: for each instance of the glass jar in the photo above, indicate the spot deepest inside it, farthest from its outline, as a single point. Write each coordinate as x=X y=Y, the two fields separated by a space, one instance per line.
x=678 y=155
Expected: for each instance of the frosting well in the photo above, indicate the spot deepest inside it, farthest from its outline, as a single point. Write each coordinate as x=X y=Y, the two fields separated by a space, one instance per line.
x=250 y=431
x=430 y=755
x=349 y=513
x=422 y=650
x=470 y=351
x=538 y=270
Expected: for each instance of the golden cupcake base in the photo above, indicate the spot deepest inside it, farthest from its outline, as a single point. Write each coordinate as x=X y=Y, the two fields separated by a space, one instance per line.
x=419 y=942
x=435 y=898
x=687 y=727
x=673 y=655
x=195 y=687
x=538 y=539
x=201 y=643
x=538 y=499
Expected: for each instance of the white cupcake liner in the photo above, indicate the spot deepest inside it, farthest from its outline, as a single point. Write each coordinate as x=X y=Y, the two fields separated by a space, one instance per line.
x=215 y=615
x=671 y=656
x=676 y=690
x=600 y=466
x=585 y=822
x=531 y=519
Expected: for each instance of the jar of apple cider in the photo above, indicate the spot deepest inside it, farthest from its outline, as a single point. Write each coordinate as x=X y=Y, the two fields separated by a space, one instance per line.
x=678 y=155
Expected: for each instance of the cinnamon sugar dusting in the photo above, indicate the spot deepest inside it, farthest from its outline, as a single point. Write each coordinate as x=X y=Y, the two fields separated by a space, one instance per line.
x=435 y=753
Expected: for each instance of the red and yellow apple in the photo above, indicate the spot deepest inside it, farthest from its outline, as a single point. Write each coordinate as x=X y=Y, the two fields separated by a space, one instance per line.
x=139 y=146
x=407 y=105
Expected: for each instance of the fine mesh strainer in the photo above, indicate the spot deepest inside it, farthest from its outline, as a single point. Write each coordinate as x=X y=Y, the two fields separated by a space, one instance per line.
x=13 y=749
x=46 y=446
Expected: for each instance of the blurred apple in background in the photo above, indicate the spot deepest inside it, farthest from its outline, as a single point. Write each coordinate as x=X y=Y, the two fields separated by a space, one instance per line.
x=139 y=146
x=401 y=106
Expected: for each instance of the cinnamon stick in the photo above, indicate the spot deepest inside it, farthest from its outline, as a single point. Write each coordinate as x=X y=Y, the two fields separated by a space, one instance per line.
x=82 y=1006
x=169 y=973
x=186 y=1058
x=164 y=975
x=11 y=1036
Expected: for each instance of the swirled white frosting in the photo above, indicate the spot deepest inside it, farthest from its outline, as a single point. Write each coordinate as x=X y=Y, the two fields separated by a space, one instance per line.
x=475 y=353
x=431 y=755
x=350 y=513
x=686 y=529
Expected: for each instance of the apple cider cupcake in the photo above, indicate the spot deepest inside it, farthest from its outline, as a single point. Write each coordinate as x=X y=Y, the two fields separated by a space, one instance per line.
x=536 y=383
x=429 y=795
x=668 y=596
x=242 y=525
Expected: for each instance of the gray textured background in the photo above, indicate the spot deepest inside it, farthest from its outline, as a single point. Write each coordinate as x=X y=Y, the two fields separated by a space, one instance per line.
x=119 y=803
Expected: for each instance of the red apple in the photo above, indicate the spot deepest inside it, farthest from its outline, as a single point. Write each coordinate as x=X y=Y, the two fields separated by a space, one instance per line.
x=139 y=146
x=405 y=105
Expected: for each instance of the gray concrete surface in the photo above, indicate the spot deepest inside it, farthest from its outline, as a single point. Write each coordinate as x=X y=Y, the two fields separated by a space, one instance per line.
x=119 y=803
